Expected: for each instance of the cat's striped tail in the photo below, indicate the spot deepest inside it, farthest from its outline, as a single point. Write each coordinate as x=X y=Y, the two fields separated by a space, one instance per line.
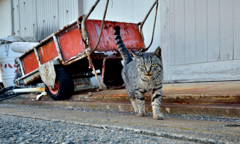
x=121 y=47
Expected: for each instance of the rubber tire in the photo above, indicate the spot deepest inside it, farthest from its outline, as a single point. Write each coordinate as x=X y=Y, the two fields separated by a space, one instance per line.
x=65 y=83
x=112 y=76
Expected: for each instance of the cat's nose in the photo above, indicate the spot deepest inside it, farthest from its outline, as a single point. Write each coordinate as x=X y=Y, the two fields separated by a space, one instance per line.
x=148 y=71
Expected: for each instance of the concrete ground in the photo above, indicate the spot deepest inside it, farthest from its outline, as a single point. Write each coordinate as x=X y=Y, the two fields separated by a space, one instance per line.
x=211 y=99
x=217 y=99
x=173 y=128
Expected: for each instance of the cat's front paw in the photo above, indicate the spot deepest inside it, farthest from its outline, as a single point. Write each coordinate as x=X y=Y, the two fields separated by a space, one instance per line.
x=141 y=114
x=158 y=116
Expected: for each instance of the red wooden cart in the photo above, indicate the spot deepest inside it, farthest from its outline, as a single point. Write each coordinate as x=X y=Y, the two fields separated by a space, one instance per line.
x=76 y=50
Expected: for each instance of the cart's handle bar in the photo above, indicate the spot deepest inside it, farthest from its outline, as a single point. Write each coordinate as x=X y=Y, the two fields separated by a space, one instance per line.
x=84 y=35
x=142 y=23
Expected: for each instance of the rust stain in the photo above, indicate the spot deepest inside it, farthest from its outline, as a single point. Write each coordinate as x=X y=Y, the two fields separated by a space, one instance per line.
x=71 y=43
x=129 y=32
x=201 y=89
x=32 y=79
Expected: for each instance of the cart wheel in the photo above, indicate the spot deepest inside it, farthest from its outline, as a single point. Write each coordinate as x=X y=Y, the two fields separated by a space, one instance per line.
x=113 y=75
x=63 y=87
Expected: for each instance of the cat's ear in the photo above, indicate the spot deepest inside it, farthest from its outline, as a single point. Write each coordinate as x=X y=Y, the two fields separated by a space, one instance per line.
x=158 y=52
x=136 y=54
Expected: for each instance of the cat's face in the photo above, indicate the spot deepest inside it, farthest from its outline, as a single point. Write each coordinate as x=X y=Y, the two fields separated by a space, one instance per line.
x=149 y=64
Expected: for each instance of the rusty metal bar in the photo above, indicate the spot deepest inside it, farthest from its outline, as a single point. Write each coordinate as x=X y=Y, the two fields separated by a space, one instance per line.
x=93 y=68
x=37 y=56
x=31 y=73
x=31 y=78
x=58 y=49
x=153 y=28
x=100 y=34
x=21 y=67
x=103 y=70
x=84 y=35
x=142 y=23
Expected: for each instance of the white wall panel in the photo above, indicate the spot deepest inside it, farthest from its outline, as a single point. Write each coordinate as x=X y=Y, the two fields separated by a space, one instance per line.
x=40 y=18
x=226 y=29
x=5 y=16
x=67 y=11
x=180 y=51
x=212 y=71
x=190 y=31
x=236 y=16
x=203 y=39
x=170 y=24
x=201 y=31
x=213 y=31
x=16 y=18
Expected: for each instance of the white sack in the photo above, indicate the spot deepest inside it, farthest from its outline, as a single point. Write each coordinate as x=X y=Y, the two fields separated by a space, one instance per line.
x=21 y=47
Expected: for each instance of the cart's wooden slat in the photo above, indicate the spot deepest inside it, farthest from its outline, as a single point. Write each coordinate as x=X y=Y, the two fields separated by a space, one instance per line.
x=47 y=52
x=71 y=43
x=30 y=62
x=129 y=32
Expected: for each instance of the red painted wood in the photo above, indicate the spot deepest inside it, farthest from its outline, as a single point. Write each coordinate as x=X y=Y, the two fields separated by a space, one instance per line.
x=30 y=62
x=71 y=43
x=47 y=52
x=129 y=33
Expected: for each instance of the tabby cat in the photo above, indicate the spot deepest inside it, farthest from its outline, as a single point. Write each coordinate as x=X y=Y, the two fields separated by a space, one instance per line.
x=142 y=74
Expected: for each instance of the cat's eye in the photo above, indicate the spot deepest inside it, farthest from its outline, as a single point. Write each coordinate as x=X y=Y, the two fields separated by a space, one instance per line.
x=143 y=66
x=153 y=64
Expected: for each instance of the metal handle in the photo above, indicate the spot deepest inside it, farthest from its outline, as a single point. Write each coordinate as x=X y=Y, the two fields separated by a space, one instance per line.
x=100 y=34
x=84 y=35
x=142 y=23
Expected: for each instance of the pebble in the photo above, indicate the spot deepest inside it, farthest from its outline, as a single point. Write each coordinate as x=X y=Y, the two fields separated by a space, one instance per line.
x=41 y=131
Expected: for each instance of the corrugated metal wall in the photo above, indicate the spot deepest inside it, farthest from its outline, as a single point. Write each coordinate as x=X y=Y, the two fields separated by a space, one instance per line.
x=40 y=18
x=201 y=39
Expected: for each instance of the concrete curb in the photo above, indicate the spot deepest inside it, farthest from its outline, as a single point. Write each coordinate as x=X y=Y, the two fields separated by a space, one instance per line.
x=123 y=98
x=208 y=110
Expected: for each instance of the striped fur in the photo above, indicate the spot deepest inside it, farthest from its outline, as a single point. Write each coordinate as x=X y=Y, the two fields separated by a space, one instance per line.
x=121 y=47
x=141 y=75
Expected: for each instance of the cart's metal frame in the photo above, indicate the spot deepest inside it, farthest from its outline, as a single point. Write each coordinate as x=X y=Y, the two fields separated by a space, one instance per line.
x=46 y=71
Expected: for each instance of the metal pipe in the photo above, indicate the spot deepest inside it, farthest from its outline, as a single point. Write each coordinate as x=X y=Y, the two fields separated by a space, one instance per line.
x=84 y=35
x=103 y=69
x=142 y=23
x=153 y=28
x=100 y=34
x=24 y=90
x=93 y=68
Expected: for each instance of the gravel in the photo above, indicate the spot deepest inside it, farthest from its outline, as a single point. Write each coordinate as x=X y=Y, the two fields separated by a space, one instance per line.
x=177 y=116
x=24 y=130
